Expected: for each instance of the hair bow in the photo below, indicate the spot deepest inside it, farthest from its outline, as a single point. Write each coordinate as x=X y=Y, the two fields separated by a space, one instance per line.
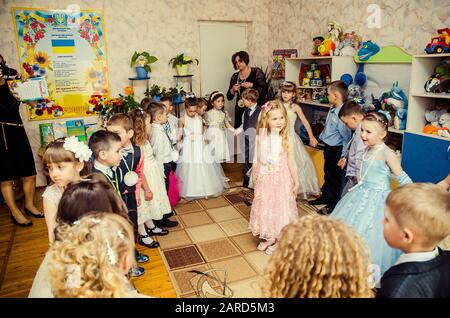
x=267 y=107
x=190 y=95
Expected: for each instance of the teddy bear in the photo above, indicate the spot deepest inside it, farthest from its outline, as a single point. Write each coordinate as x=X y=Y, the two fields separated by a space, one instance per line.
x=439 y=122
x=444 y=123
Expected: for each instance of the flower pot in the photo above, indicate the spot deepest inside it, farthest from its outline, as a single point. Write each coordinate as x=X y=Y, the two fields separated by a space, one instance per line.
x=177 y=99
x=156 y=98
x=182 y=69
x=141 y=72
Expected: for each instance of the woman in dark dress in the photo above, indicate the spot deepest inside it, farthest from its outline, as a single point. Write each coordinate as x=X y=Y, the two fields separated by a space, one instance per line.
x=247 y=77
x=16 y=157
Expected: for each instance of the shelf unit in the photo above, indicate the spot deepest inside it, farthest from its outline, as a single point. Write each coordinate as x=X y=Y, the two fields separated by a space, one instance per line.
x=426 y=157
x=339 y=65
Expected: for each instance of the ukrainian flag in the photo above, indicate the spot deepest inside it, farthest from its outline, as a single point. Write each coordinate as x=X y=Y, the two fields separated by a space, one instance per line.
x=63 y=46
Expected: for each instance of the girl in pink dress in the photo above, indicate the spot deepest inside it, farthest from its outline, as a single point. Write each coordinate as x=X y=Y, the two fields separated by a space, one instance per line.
x=275 y=177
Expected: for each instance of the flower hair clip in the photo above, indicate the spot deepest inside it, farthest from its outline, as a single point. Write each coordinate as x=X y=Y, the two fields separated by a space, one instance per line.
x=112 y=257
x=190 y=95
x=79 y=149
x=267 y=107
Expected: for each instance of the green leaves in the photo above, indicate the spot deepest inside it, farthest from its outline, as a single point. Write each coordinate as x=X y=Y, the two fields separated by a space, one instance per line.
x=180 y=59
x=143 y=59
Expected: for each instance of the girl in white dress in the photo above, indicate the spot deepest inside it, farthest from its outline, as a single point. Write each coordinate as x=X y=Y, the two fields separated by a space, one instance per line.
x=309 y=184
x=201 y=176
x=217 y=121
x=151 y=196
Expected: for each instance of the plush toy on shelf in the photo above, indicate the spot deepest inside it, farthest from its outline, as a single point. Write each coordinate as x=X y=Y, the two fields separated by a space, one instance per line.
x=334 y=32
x=367 y=50
x=398 y=102
x=355 y=87
x=439 y=82
x=438 y=120
x=318 y=40
x=348 y=45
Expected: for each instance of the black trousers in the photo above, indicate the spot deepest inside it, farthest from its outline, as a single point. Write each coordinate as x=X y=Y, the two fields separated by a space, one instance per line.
x=167 y=168
x=247 y=163
x=331 y=189
x=238 y=112
x=130 y=202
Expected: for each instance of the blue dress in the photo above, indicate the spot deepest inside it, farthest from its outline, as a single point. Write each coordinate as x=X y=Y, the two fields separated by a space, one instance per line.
x=363 y=208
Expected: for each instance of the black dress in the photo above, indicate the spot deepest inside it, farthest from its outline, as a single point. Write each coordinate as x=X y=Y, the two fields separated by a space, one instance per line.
x=258 y=79
x=16 y=157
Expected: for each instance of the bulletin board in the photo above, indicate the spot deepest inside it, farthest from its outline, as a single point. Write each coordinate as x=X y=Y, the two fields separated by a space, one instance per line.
x=67 y=48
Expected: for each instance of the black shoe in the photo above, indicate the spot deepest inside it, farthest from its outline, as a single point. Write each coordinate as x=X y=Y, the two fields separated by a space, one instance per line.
x=165 y=223
x=141 y=258
x=168 y=215
x=151 y=232
x=29 y=213
x=318 y=201
x=153 y=244
x=26 y=224
x=136 y=271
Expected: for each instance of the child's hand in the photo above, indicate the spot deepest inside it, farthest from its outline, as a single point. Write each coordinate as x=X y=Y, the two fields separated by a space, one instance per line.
x=138 y=200
x=341 y=163
x=148 y=195
x=313 y=142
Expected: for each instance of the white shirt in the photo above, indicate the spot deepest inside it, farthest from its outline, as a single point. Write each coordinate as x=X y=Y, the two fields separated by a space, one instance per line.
x=418 y=257
x=161 y=144
x=104 y=169
x=241 y=127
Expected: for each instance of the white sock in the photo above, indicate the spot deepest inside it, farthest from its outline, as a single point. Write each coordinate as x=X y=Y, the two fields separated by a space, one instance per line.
x=152 y=226
x=143 y=232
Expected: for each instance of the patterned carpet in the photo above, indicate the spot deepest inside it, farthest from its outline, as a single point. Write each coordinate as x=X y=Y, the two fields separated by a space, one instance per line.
x=214 y=241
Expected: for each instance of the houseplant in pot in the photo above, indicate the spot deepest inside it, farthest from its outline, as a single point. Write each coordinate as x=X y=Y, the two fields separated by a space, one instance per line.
x=155 y=92
x=142 y=63
x=176 y=93
x=181 y=63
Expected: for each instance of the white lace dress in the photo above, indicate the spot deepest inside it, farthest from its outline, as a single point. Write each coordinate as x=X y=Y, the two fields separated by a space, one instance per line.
x=307 y=177
x=159 y=205
x=216 y=134
x=200 y=175
x=41 y=283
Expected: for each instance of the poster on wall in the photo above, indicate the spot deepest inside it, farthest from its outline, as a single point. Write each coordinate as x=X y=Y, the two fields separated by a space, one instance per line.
x=68 y=49
x=278 y=60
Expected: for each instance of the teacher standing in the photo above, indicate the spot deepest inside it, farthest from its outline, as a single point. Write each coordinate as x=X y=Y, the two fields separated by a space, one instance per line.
x=16 y=157
x=247 y=77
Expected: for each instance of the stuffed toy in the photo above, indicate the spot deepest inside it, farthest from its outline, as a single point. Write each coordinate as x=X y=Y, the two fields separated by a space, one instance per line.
x=439 y=82
x=318 y=40
x=355 y=87
x=348 y=45
x=398 y=103
x=444 y=123
x=367 y=50
x=334 y=32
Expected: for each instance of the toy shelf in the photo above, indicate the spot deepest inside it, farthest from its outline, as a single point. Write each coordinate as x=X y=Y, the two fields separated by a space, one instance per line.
x=396 y=131
x=314 y=103
x=388 y=55
x=431 y=95
x=432 y=55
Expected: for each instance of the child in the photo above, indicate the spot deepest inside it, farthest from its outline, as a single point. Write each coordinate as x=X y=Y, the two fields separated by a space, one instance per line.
x=319 y=258
x=107 y=251
x=165 y=153
x=362 y=207
x=217 y=120
x=201 y=176
x=153 y=202
x=352 y=115
x=202 y=106
x=171 y=126
x=66 y=161
x=274 y=177
x=417 y=218
x=309 y=184
x=79 y=198
x=249 y=122
x=107 y=150
x=336 y=137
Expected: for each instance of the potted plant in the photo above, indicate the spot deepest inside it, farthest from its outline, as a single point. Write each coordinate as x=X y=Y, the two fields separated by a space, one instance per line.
x=181 y=63
x=155 y=92
x=142 y=63
x=176 y=94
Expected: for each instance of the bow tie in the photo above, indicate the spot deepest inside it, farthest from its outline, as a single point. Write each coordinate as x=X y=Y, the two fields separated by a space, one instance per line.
x=127 y=151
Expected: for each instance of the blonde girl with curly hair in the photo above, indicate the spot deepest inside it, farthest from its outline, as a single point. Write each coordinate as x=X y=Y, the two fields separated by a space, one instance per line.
x=319 y=258
x=91 y=258
x=274 y=176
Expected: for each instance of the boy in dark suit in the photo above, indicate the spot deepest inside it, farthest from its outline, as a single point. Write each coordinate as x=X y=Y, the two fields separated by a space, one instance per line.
x=417 y=219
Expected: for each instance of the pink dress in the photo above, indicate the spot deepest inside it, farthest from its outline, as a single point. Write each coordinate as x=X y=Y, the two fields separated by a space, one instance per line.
x=274 y=205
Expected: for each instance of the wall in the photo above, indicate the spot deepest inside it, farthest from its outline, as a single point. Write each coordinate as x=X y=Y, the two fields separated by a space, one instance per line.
x=405 y=23
x=164 y=28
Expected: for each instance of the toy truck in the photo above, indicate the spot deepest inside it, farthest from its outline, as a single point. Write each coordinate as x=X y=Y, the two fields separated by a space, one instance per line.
x=439 y=43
